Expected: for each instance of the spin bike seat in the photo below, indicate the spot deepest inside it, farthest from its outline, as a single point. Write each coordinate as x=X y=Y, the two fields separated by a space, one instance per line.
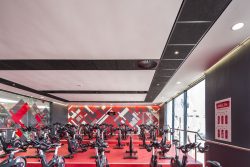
x=10 y=149
x=214 y=164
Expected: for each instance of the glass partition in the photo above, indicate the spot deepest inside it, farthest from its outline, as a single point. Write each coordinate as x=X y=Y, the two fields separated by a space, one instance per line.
x=169 y=114
x=196 y=114
x=179 y=117
x=17 y=110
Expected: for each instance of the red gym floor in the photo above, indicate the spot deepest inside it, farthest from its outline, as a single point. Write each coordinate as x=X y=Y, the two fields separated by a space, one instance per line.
x=115 y=157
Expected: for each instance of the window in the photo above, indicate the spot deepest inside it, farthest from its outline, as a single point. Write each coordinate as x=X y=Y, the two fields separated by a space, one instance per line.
x=196 y=114
x=169 y=114
x=179 y=117
x=196 y=108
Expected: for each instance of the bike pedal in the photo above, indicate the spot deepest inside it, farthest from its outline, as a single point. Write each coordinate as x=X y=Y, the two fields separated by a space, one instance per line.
x=127 y=151
x=68 y=156
x=94 y=156
x=3 y=155
x=130 y=157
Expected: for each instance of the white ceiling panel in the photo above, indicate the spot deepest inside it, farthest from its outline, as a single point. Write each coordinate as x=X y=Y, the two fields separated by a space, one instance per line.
x=218 y=41
x=85 y=29
x=27 y=93
x=101 y=97
x=138 y=80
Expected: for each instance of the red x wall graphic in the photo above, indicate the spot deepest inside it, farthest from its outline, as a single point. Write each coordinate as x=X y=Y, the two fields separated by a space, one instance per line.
x=130 y=115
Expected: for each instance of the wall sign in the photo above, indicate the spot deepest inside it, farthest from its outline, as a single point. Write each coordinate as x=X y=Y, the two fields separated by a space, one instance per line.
x=223 y=120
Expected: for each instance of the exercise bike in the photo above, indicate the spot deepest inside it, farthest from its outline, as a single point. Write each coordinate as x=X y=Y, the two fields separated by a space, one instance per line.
x=55 y=161
x=175 y=162
x=9 y=146
x=119 y=144
x=104 y=130
x=152 y=131
x=18 y=143
x=164 y=146
x=74 y=144
x=153 y=147
x=142 y=136
x=87 y=130
x=131 y=153
x=123 y=127
x=208 y=163
x=101 y=159
x=12 y=161
x=111 y=130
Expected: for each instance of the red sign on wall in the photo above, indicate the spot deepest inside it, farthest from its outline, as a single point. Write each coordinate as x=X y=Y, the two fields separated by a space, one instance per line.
x=223 y=120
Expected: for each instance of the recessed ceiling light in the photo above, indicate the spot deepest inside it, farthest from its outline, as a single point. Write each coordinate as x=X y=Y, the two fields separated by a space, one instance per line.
x=178 y=83
x=176 y=52
x=158 y=84
x=237 y=26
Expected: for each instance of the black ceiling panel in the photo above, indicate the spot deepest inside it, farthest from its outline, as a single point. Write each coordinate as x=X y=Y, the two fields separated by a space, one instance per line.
x=194 y=19
x=162 y=78
x=108 y=65
x=153 y=93
x=92 y=92
x=170 y=64
x=71 y=65
x=202 y=10
x=165 y=72
x=158 y=82
x=128 y=64
x=188 y=33
x=183 y=51
x=75 y=64
x=107 y=102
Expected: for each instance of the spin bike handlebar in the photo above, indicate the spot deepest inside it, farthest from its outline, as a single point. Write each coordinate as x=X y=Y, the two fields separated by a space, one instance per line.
x=29 y=129
x=131 y=130
x=14 y=151
x=175 y=142
x=202 y=149
x=186 y=148
x=164 y=130
x=154 y=144
x=98 y=144
x=42 y=145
